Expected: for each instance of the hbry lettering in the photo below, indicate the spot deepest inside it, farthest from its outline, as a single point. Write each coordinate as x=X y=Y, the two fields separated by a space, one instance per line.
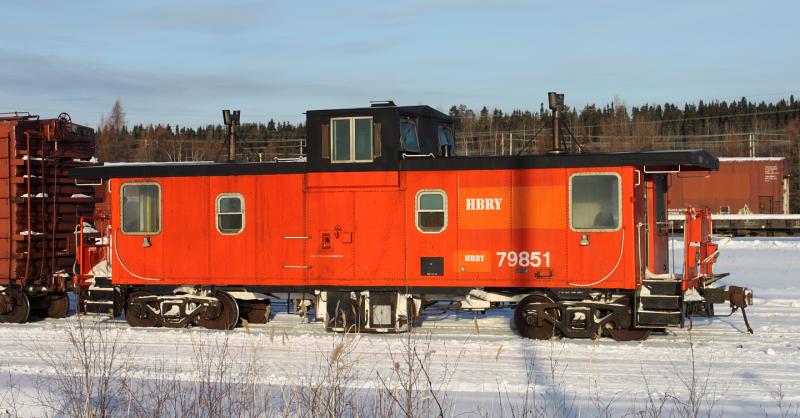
x=489 y=203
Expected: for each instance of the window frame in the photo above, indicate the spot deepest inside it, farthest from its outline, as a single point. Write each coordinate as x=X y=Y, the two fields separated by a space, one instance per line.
x=217 y=212
x=413 y=122
x=619 y=200
x=451 y=129
x=352 y=121
x=417 y=210
x=122 y=207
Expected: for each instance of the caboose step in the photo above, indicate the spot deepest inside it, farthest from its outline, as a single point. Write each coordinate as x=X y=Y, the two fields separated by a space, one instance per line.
x=660 y=302
x=664 y=318
x=101 y=298
x=663 y=287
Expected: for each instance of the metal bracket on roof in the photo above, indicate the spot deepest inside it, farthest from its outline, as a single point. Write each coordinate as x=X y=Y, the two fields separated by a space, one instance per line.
x=88 y=184
x=429 y=155
x=662 y=171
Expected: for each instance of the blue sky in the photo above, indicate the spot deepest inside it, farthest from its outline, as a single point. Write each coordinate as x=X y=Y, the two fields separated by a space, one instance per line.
x=182 y=61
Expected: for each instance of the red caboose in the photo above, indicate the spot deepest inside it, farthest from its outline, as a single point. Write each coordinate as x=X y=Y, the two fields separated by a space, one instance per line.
x=382 y=219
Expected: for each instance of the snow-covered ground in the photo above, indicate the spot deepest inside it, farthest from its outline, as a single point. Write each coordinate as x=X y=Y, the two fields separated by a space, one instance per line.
x=475 y=362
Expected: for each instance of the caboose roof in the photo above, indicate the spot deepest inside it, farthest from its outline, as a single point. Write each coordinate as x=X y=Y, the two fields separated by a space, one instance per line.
x=670 y=161
x=421 y=110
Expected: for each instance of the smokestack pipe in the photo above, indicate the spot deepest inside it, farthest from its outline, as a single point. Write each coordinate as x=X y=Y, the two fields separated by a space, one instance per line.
x=231 y=120
x=556 y=132
x=556 y=102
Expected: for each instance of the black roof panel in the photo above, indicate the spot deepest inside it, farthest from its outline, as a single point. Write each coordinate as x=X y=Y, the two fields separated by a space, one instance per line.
x=686 y=160
x=422 y=110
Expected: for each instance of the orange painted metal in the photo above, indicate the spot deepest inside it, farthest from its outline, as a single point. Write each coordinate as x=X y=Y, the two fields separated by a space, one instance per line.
x=657 y=247
x=93 y=246
x=700 y=252
x=358 y=229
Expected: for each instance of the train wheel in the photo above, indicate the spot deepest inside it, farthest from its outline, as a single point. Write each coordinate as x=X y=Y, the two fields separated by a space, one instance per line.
x=58 y=306
x=136 y=315
x=224 y=317
x=256 y=312
x=626 y=334
x=525 y=318
x=630 y=334
x=118 y=303
x=21 y=306
x=82 y=295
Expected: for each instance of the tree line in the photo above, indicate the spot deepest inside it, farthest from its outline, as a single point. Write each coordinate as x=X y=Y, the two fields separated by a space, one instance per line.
x=732 y=129
x=117 y=142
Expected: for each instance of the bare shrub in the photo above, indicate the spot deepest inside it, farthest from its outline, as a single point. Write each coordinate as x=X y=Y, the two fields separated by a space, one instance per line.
x=784 y=408
x=330 y=389
x=603 y=406
x=696 y=395
x=654 y=404
x=523 y=405
x=224 y=381
x=553 y=400
x=701 y=394
x=9 y=397
x=90 y=379
x=411 y=387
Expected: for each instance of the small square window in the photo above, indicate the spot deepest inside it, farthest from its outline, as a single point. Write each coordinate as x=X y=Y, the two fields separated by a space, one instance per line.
x=141 y=208
x=431 y=211
x=595 y=202
x=230 y=213
x=351 y=140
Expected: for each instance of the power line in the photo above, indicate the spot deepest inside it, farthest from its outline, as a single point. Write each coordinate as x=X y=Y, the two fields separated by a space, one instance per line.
x=731 y=116
x=735 y=115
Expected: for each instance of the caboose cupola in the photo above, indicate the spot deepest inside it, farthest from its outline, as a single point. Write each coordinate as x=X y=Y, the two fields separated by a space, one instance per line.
x=379 y=136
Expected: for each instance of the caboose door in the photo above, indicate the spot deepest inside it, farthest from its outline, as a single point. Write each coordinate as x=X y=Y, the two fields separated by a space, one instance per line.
x=330 y=229
x=596 y=235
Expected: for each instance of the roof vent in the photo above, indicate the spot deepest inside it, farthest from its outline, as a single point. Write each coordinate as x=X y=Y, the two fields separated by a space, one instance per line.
x=382 y=103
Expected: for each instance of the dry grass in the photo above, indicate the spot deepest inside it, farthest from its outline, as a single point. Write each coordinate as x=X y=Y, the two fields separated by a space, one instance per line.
x=94 y=378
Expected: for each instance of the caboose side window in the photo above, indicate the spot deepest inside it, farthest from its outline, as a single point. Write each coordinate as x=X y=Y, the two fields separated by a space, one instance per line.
x=595 y=202
x=351 y=140
x=230 y=213
x=431 y=211
x=141 y=208
x=408 y=135
x=446 y=139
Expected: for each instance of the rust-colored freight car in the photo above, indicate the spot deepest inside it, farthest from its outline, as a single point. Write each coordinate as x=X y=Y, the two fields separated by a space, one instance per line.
x=40 y=207
x=757 y=185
